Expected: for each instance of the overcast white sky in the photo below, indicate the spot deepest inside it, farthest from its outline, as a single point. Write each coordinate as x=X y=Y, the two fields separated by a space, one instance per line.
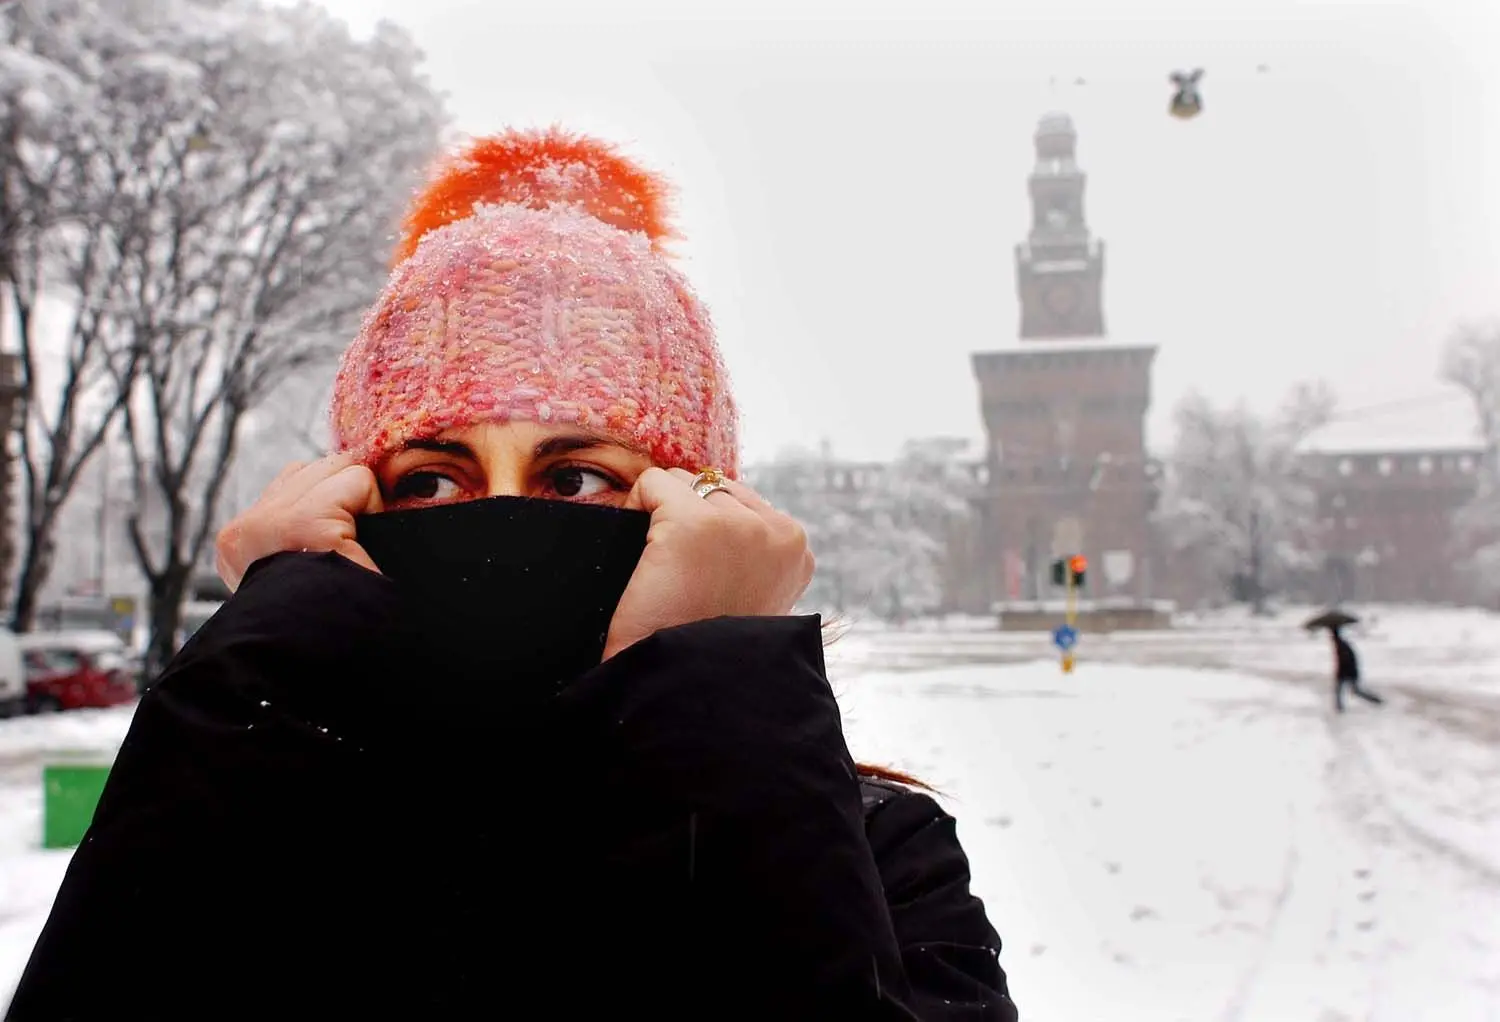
x=852 y=181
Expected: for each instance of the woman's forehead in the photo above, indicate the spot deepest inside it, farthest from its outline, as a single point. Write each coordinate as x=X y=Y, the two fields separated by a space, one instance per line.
x=538 y=439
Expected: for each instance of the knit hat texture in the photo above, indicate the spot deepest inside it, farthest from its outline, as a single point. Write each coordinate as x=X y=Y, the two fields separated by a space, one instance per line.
x=532 y=284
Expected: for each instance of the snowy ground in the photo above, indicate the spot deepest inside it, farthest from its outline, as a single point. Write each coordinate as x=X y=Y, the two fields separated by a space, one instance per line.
x=1180 y=830
x=1184 y=830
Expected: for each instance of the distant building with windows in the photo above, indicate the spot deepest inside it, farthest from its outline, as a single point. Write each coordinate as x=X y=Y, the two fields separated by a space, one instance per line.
x=1388 y=488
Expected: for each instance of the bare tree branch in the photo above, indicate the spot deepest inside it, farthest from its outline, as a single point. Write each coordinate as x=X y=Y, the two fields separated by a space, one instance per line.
x=264 y=190
x=52 y=187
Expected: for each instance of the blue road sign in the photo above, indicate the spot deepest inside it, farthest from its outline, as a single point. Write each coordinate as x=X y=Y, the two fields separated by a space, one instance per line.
x=1064 y=637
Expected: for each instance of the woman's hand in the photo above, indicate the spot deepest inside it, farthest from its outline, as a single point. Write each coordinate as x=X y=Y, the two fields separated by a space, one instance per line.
x=730 y=554
x=307 y=507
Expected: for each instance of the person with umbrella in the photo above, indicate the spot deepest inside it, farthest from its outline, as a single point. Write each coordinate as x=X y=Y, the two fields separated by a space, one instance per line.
x=1345 y=662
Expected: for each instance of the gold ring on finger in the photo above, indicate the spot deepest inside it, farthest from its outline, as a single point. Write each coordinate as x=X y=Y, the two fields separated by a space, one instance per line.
x=708 y=482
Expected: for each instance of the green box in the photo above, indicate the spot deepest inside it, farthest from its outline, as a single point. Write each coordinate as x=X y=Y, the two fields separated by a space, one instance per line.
x=70 y=792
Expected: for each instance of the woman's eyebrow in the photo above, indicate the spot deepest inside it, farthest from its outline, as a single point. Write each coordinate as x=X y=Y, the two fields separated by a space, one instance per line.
x=453 y=447
x=555 y=445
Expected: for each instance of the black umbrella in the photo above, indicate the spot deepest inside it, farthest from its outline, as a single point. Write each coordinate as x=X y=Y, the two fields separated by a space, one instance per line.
x=1330 y=619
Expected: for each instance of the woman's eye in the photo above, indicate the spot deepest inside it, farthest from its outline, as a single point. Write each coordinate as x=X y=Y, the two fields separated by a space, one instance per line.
x=579 y=482
x=424 y=486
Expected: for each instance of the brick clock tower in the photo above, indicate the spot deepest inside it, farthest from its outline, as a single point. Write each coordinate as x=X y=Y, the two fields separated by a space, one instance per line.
x=1059 y=268
x=1064 y=410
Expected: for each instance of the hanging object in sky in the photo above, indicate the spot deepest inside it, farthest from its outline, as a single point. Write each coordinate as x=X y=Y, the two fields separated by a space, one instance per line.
x=1186 y=100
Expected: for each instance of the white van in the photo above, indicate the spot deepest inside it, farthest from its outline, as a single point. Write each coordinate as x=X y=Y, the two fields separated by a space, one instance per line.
x=12 y=675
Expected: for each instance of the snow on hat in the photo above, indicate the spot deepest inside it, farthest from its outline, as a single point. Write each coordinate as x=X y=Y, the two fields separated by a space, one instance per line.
x=532 y=284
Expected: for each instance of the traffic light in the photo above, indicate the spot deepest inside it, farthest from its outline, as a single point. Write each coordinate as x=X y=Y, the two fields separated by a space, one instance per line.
x=1066 y=568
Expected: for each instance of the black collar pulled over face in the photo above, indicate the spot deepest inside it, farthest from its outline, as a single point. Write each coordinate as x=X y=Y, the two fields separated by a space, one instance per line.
x=509 y=590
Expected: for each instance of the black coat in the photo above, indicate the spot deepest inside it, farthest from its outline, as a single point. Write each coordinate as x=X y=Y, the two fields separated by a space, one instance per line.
x=1345 y=663
x=307 y=820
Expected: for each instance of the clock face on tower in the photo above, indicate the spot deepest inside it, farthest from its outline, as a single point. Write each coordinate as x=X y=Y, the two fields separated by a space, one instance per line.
x=1061 y=299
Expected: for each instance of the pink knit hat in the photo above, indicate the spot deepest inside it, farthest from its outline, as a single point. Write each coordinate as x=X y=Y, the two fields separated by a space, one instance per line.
x=532 y=285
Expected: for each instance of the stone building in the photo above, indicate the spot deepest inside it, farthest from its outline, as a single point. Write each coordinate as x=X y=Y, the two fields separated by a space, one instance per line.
x=1388 y=488
x=1064 y=411
x=1387 y=524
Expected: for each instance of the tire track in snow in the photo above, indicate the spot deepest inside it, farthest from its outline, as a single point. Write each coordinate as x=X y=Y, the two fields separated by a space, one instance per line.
x=1450 y=713
x=1310 y=901
x=1423 y=835
x=1234 y=1011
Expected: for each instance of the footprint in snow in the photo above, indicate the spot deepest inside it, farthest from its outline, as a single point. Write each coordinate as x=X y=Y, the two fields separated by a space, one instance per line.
x=998 y=821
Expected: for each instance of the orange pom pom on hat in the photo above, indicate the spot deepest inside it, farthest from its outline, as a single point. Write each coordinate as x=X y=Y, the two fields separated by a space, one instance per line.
x=532 y=285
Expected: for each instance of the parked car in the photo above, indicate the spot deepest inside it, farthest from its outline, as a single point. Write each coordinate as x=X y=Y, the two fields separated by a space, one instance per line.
x=76 y=670
x=12 y=675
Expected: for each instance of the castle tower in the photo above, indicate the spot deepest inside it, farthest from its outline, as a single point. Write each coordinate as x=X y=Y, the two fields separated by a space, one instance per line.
x=1064 y=409
x=1059 y=268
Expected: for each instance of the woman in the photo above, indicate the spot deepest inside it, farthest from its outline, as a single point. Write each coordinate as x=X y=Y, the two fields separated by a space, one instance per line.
x=453 y=749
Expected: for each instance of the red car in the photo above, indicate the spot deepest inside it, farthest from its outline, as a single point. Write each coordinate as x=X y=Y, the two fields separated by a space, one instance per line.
x=63 y=673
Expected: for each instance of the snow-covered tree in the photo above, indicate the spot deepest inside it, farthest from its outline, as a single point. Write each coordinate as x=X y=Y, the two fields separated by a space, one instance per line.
x=256 y=158
x=1471 y=362
x=60 y=277
x=1237 y=496
x=879 y=531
